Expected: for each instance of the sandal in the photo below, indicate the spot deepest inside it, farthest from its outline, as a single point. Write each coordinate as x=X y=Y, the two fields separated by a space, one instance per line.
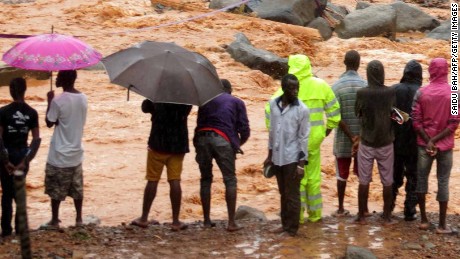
x=447 y=230
x=49 y=226
x=338 y=214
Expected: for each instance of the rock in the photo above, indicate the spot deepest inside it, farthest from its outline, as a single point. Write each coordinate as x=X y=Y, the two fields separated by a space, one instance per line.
x=16 y=1
x=7 y=73
x=429 y=245
x=372 y=21
x=91 y=220
x=412 y=246
x=410 y=17
x=297 y=12
x=356 y=252
x=424 y=238
x=337 y=12
x=441 y=32
x=322 y=26
x=219 y=4
x=243 y=51
x=246 y=212
x=362 y=5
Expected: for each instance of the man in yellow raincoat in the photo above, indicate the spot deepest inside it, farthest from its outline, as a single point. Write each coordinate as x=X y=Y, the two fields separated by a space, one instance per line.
x=318 y=96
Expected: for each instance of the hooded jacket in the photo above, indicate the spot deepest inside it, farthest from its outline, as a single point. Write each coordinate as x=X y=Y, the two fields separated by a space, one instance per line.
x=432 y=108
x=405 y=137
x=373 y=107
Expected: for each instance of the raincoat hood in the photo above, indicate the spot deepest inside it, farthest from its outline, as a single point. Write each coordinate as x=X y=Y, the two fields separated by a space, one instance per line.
x=300 y=66
x=412 y=73
x=438 y=70
x=375 y=74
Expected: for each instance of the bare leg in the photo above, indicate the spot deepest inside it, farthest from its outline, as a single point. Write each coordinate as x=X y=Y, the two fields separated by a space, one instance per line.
x=424 y=224
x=205 y=195
x=175 y=195
x=363 y=192
x=150 y=192
x=230 y=198
x=341 y=186
x=78 y=209
x=387 y=204
x=55 y=212
x=442 y=215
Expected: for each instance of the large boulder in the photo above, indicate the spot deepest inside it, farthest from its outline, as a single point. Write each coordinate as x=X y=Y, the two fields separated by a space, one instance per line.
x=372 y=21
x=297 y=12
x=441 y=32
x=246 y=212
x=356 y=252
x=322 y=26
x=219 y=4
x=243 y=51
x=410 y=17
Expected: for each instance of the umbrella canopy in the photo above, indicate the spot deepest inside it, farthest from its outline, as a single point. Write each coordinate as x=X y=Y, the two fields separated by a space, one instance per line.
x=51 y=52
x=164 y=72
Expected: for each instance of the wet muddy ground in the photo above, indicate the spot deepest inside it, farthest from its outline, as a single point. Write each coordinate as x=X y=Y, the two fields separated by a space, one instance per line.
x=326 y=239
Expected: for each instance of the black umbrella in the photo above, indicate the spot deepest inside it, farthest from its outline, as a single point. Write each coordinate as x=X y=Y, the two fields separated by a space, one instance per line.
x=164 y=72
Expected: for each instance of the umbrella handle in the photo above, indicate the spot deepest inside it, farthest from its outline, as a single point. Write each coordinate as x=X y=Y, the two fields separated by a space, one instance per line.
x=129 y=87
x=51 y=80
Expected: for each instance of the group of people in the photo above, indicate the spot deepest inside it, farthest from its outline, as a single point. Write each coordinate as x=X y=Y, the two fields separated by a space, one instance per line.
x=360 y=110
x=370 y=127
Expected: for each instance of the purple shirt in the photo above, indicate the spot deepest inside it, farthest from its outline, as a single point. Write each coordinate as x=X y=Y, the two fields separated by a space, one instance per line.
x=431 y=107
x=227 y=114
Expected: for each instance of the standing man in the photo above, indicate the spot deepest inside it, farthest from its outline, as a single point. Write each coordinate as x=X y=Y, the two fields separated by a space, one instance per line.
x=348 y=131
x=167 y=146
x=17 y=119
x=373 y=107
x=287 y=150
x=222 y=127
x=405 y=144
x=316 y=94
x=435 y=127
x=64 y=172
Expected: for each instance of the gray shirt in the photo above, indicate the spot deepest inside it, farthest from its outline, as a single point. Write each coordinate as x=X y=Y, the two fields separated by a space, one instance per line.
x=289 y=131
x=345 y=91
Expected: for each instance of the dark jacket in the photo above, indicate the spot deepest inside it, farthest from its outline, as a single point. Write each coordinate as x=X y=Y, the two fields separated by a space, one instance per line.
x=169 y=132
x=405 y=137
x=373 y=107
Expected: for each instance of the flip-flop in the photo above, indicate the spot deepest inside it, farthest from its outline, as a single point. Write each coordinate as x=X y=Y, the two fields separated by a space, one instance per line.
x=337 y=214
x=447 y=230
x=234 y=229
x=181 y=226
x=48 y=226
x=153 y=222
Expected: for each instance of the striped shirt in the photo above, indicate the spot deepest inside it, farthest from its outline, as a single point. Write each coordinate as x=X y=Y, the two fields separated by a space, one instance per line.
x=345 y=91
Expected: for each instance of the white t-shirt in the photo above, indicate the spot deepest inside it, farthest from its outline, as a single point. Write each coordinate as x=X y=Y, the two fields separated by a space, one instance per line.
x=66 y=149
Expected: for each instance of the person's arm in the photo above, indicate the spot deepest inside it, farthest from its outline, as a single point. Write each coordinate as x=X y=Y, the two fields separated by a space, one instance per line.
x=4 y=159
x=303 y=135
x=33 y=149
x=243 y=123
x=50 y=123
x=332 y=109
x=268 y=160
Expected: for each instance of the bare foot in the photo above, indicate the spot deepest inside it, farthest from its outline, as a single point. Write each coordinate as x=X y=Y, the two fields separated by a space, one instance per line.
x=209 y=224
x=389 y=222
x=424 y=226
x=140 y=223
x=360 y=220
x=341 y=213
x=51 y=225
x=446 y=230
x=178 y=226
x=233 y=228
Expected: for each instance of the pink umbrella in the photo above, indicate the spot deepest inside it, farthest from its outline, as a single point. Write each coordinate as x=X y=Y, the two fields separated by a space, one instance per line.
x=51 y=52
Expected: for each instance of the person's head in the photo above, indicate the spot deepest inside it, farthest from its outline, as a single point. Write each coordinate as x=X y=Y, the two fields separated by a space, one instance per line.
x=352 y=59
x=300 y=66
x=66 y=78
x=375 y=74
x=412 y=73
x=18 y=88
x=227 y=85
x=438 y=69
x=290 y=86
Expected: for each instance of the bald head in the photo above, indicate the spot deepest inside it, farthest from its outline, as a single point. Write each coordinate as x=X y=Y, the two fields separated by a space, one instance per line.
x=352 y=59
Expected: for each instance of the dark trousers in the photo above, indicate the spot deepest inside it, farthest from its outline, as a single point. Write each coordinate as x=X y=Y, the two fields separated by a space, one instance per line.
x=289 y=188
x=209 y=145
x=406 y=166
x=8 y=192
